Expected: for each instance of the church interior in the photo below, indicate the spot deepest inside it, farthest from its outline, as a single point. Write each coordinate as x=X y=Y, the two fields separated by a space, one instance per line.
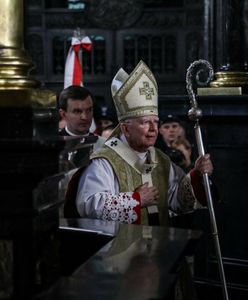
x=45 y=256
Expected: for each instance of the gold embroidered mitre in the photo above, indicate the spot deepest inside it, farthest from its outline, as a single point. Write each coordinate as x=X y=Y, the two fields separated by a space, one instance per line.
x=135 y=95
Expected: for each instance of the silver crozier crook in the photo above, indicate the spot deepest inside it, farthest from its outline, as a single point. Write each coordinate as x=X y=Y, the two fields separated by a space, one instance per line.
x=195 y=114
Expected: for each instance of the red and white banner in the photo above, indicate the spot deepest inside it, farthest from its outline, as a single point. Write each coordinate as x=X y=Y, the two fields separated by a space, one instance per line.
x=73 y=70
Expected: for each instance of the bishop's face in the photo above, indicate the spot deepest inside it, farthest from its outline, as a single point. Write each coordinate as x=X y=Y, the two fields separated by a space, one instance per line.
x=141 y=132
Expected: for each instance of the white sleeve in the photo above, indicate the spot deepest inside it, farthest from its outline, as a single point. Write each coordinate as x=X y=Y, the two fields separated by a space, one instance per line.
x=98 y=195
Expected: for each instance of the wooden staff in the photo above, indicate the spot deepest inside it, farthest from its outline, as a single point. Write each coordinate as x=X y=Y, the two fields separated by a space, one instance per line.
x=194 y=114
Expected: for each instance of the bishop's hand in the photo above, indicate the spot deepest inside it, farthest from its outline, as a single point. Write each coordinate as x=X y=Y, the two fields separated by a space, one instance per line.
x=148 y=195
x=203 y=165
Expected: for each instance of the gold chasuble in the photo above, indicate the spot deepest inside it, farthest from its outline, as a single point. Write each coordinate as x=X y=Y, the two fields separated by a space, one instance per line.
x=131 y=173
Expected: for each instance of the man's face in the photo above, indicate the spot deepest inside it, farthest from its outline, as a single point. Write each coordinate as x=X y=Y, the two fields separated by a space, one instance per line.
x=142 y=132
x=170 y=131
x=78 y=115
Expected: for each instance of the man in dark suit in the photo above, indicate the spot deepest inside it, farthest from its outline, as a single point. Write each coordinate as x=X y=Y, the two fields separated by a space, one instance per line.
x=75 y=106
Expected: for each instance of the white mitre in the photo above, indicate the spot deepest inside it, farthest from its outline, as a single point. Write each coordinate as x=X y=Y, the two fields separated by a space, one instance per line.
x=135 y=95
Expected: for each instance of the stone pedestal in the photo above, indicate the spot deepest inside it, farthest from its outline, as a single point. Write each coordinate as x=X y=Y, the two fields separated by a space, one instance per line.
x=29 y=150
x=29 y=214
x=29 y=206
x=231 y=44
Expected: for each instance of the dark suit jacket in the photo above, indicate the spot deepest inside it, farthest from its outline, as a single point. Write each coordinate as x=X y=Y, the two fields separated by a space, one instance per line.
x=79 y=157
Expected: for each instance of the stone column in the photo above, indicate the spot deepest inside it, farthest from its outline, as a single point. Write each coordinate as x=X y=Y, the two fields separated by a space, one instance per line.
x=231 y=44
x=29 y=151
x=17 y=89
x=14 y=61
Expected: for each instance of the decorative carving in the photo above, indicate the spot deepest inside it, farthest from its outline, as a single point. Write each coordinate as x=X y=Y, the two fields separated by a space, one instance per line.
x=170 y=54
x=66 y=20
x=141 y=29
x=34 y=4
x=194 y=47
x=6 y=269
x=160 y=20
x=194 y=18
x=234 y=37
x=35 y=48
x=189 y=3
x=156 y=54
x=129 y=52
x=159 y=50
x=34 y=20
x=164 y=4
x=99 y=56
x=114 y=14
x=94 y=62
x=163 y=54
x=58 y=46
x=146 y=90
x=143 y=49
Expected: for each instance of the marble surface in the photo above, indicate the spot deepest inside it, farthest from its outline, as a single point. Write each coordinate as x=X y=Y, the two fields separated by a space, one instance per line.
x=140 y=262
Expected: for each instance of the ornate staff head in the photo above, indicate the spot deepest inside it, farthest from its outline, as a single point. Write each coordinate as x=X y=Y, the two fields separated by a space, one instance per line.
x=195 y=112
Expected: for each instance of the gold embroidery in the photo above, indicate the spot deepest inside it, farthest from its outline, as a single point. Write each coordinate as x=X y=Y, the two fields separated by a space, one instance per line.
x=146 y=90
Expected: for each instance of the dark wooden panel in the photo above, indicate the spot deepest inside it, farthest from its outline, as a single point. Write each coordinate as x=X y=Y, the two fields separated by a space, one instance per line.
x=225 y=136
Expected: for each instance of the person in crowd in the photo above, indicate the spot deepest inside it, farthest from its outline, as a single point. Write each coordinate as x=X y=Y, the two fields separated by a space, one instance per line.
x=170 y=128
x=182 y=144
x=107 y=131
x=104 y=116
x=128 y=179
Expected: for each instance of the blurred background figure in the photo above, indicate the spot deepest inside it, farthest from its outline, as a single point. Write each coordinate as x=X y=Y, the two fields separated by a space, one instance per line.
x=62 y=123
x=170 y=128
x=104 y=116
x=183 y=145
x=106 y=132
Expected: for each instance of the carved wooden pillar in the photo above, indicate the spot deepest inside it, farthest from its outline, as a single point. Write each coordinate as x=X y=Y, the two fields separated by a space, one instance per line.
x=231 y=44
x=14 y=61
